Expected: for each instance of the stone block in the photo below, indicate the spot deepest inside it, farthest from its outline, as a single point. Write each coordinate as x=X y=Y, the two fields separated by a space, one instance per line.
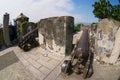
x=25 y=63
x=44 y=70
x=54 y=74
x=57 y=33
x=34 y=63
x=36 y=73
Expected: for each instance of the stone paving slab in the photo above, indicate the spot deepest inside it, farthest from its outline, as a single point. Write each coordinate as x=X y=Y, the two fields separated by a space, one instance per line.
x=34 y=63
x=8 y=59
x=16 y=72
x=44 y=70
x=54 y=74
x=24 y=61
x=37 y=74
x=46 y=64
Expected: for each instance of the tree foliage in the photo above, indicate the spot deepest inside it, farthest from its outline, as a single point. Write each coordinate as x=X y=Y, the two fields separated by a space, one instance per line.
x=77 y=27
x=116 y=12
x=104 y=9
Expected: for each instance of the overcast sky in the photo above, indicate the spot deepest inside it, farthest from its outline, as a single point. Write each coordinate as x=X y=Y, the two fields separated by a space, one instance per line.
x=81 y=10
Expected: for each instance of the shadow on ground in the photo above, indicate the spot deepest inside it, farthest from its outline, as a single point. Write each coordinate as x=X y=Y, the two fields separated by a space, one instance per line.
x=8 y=59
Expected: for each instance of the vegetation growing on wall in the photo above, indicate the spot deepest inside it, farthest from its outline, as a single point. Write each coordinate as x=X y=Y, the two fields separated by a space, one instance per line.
x=1 y=37
x=21 y=25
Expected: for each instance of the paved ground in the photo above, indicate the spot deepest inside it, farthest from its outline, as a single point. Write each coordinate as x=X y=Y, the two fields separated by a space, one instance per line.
x=35 y=65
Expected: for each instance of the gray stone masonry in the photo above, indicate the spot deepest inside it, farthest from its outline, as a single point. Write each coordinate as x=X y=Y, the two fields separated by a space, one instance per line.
x=56 y=33
x=6 y=29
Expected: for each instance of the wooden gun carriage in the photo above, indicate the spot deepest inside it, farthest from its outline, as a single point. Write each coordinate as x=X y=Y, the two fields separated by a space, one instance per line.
x=81 y=58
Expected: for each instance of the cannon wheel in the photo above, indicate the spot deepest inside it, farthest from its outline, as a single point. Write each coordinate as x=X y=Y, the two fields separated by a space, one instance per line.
x=25 y=48
x=66 y=66
x=85 y=71
x=88 y=71
x=20 y=44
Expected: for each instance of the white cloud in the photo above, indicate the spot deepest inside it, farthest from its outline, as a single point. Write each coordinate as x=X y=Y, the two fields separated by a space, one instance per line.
x=37 y=9
x=78 y=18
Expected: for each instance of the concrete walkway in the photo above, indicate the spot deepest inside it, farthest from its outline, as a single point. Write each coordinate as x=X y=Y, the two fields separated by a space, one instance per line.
x=36 y=65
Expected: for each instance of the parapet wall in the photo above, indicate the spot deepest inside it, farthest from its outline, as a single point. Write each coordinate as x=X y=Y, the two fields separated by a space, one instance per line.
x=56 y=33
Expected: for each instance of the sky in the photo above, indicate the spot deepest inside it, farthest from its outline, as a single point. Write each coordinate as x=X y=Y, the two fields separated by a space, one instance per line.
x=81 y=10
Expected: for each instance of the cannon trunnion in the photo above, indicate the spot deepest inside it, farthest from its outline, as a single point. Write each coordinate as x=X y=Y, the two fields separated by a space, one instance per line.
x=81 y=58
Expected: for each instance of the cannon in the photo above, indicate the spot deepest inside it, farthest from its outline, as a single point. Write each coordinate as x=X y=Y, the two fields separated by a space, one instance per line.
x=28 y=41
x=81 y=58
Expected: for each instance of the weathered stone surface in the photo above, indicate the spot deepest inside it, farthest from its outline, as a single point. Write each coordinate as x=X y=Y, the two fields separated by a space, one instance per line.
x=103 y=34
x=57 y=33
x=6 y=29
x=34 y=63
x=103 y=38
x=77 y=36
x=44 y=70
x=116 y=49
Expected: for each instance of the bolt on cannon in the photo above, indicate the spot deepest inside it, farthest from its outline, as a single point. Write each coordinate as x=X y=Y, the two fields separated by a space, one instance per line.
x=81 y=58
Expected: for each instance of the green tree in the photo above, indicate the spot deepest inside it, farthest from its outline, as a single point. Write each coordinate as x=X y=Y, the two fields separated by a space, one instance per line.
x=77 y=27
x=102 y=9
x=116 y=12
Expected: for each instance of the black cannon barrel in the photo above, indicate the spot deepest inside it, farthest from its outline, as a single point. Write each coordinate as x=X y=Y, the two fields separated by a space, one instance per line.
x=83 y=42
x=30 y=33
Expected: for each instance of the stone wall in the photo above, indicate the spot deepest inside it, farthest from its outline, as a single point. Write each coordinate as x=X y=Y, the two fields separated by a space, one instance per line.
x=115 y=54
x=56 y=33
x=103 y=36
x=6 y=29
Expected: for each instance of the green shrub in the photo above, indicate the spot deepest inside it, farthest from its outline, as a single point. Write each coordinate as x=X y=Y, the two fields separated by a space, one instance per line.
x=1 y=37
x=21 y=25
x=77 y=27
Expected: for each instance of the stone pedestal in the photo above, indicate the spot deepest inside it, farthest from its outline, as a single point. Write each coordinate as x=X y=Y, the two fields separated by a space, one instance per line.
x=57 y=34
